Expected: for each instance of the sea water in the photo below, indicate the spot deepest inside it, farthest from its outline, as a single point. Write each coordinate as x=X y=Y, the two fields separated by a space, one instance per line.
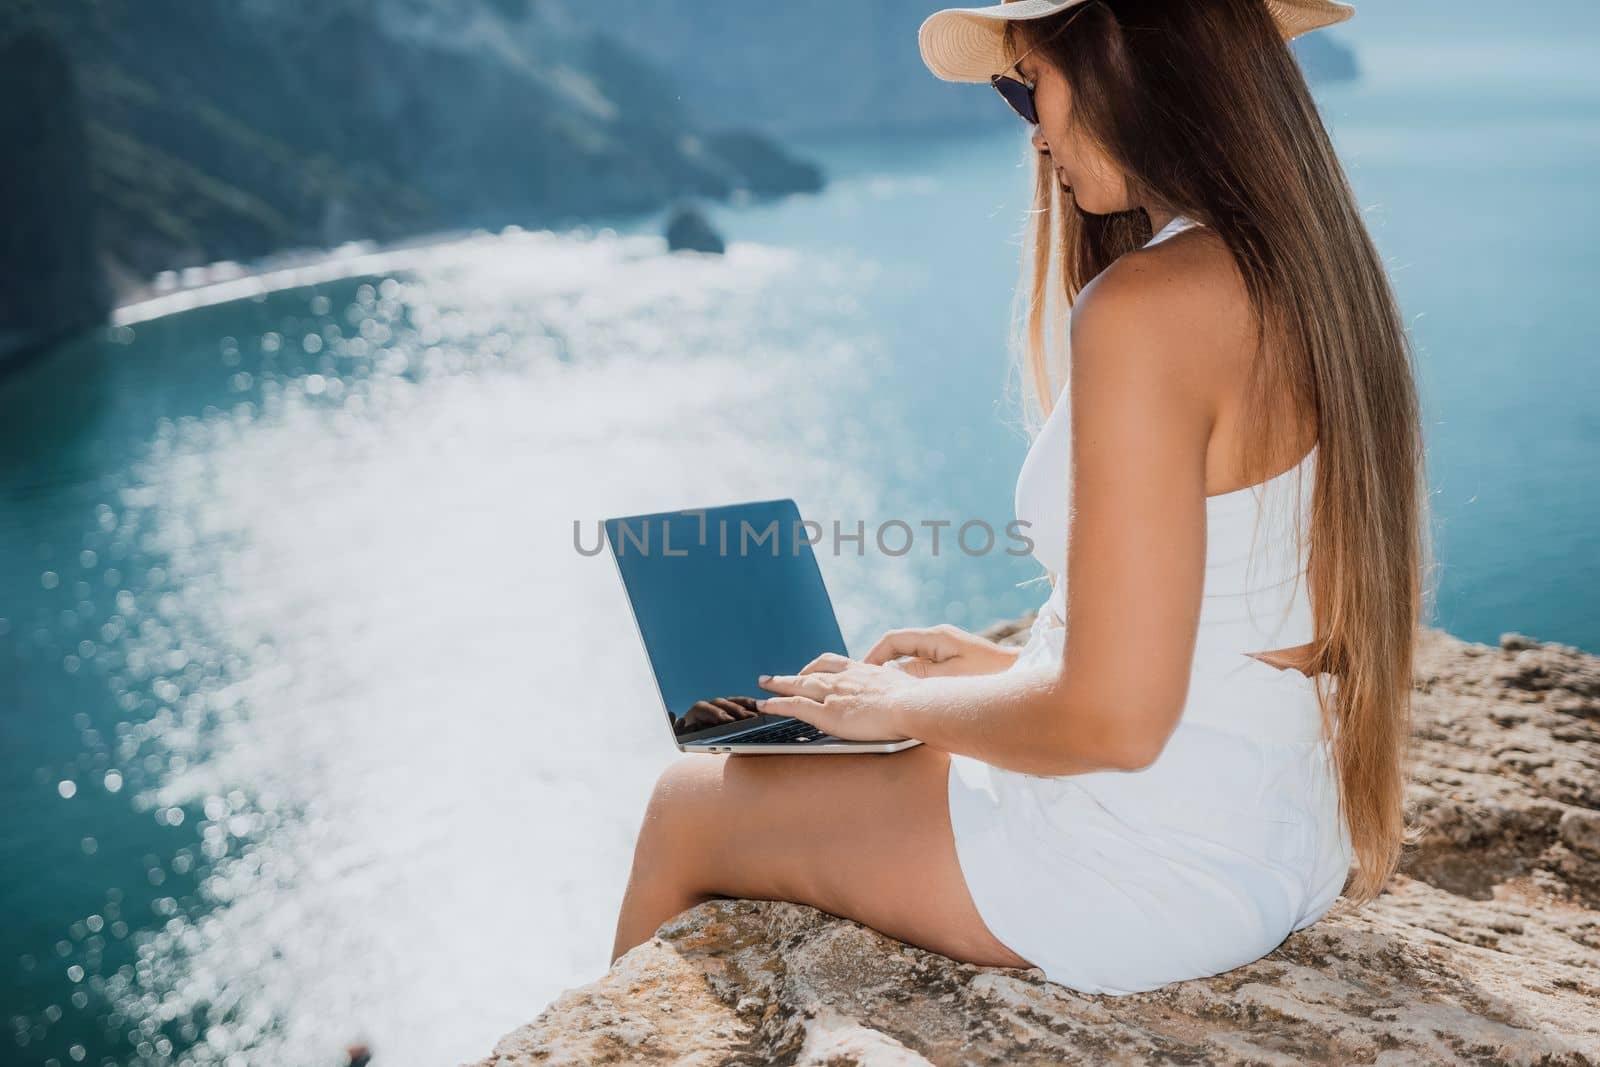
x=317 y=726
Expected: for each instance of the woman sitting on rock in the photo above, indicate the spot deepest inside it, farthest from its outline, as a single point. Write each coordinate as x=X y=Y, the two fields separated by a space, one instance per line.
x=1208 y=722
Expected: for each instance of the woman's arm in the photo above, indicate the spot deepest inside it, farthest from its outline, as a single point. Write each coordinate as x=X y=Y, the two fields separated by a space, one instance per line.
x=945 y=649
x=1141 y=421
x=1020 y=720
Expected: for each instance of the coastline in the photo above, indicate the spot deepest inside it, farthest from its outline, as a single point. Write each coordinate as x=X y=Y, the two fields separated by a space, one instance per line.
x=225 y=281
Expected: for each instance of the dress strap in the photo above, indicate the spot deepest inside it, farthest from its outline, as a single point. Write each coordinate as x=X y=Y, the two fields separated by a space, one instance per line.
x=1177 y=224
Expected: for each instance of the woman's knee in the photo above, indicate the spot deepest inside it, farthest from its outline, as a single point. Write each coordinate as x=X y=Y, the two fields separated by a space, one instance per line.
x=677 y=788
x=681 y=804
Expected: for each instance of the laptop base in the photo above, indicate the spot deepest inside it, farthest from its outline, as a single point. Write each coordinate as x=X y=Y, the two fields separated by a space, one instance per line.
x=833 y=746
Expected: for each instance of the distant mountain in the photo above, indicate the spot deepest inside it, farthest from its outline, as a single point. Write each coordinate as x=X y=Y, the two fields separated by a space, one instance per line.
x=827 y=66
x=229 y=129
x=149 y=135
x=1325 y=58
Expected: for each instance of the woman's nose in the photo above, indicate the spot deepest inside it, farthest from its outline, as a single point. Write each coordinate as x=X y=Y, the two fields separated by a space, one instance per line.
x=1038 y=140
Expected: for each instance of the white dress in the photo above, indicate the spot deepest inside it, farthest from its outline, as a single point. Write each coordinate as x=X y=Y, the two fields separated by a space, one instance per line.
x=1117 y=882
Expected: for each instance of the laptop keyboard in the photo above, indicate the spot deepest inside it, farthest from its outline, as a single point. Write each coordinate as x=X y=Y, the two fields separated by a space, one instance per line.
x=793 y=732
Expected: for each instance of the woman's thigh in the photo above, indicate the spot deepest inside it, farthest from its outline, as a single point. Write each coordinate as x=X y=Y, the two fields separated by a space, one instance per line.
x=866 y=837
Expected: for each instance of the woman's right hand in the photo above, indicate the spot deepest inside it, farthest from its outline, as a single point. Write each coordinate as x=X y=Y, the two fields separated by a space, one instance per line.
x=936 y=651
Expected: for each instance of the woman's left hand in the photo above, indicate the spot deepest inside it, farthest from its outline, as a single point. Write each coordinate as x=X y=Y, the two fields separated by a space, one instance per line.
x=851 y=700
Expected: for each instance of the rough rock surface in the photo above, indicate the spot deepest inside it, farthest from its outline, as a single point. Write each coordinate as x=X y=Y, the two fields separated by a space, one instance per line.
x=1485 y=949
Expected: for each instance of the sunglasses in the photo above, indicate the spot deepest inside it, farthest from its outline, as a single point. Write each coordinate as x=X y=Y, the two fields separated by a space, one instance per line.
x=1018 y=93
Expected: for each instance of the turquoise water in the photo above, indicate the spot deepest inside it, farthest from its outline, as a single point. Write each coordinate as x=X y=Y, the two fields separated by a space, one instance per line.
x=302 y=672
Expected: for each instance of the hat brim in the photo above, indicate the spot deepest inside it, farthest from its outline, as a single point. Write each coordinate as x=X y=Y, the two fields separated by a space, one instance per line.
x=967 y=44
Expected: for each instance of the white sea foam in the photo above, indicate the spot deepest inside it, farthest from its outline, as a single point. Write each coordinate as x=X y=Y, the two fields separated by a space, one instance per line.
x=418 y=722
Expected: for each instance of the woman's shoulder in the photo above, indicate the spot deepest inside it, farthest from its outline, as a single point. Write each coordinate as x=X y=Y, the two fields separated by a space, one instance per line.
x=1191 y=273
x=1183 y=296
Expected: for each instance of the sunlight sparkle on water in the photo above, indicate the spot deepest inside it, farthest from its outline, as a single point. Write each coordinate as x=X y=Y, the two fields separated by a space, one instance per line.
x=405 y=729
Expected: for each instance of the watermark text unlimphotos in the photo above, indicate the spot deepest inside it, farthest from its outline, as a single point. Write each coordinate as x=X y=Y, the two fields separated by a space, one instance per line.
x=653 y=535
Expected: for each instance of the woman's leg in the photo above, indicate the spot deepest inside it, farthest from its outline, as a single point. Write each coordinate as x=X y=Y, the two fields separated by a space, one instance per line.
x=866 y=837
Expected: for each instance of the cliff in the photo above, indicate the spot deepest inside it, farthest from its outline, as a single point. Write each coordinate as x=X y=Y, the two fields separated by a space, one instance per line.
x=146 y=136
x=162 y=134
x=50 y=282
x=1485 y=949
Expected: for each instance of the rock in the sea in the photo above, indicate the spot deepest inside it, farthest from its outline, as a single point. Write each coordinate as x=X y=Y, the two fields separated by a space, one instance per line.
x=688 y=230
x=1485 y=949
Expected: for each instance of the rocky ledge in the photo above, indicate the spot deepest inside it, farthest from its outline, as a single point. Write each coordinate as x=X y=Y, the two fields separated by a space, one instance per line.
x=1485 y=949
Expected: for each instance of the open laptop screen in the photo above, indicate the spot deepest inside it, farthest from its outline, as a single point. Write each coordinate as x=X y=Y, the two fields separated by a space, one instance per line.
x=722 y=595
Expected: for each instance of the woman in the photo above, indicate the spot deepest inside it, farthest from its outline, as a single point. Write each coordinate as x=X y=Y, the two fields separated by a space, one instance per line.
x=1185 y=782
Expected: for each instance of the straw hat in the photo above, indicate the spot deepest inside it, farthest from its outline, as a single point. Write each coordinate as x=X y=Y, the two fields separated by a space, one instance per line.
x=964 y=44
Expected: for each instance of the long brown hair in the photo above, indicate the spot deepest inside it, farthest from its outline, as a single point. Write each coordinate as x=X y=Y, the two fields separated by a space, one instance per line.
x=1204 y=108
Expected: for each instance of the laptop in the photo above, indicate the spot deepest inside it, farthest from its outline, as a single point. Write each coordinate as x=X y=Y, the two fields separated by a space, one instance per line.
x=720 y=596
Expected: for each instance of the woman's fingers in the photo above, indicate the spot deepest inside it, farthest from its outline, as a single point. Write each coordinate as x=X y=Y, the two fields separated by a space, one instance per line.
x=891 y=645
x=927 y=668
x=923 y=643
x=812 y=686
x=802 y=708
x=829 y=661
